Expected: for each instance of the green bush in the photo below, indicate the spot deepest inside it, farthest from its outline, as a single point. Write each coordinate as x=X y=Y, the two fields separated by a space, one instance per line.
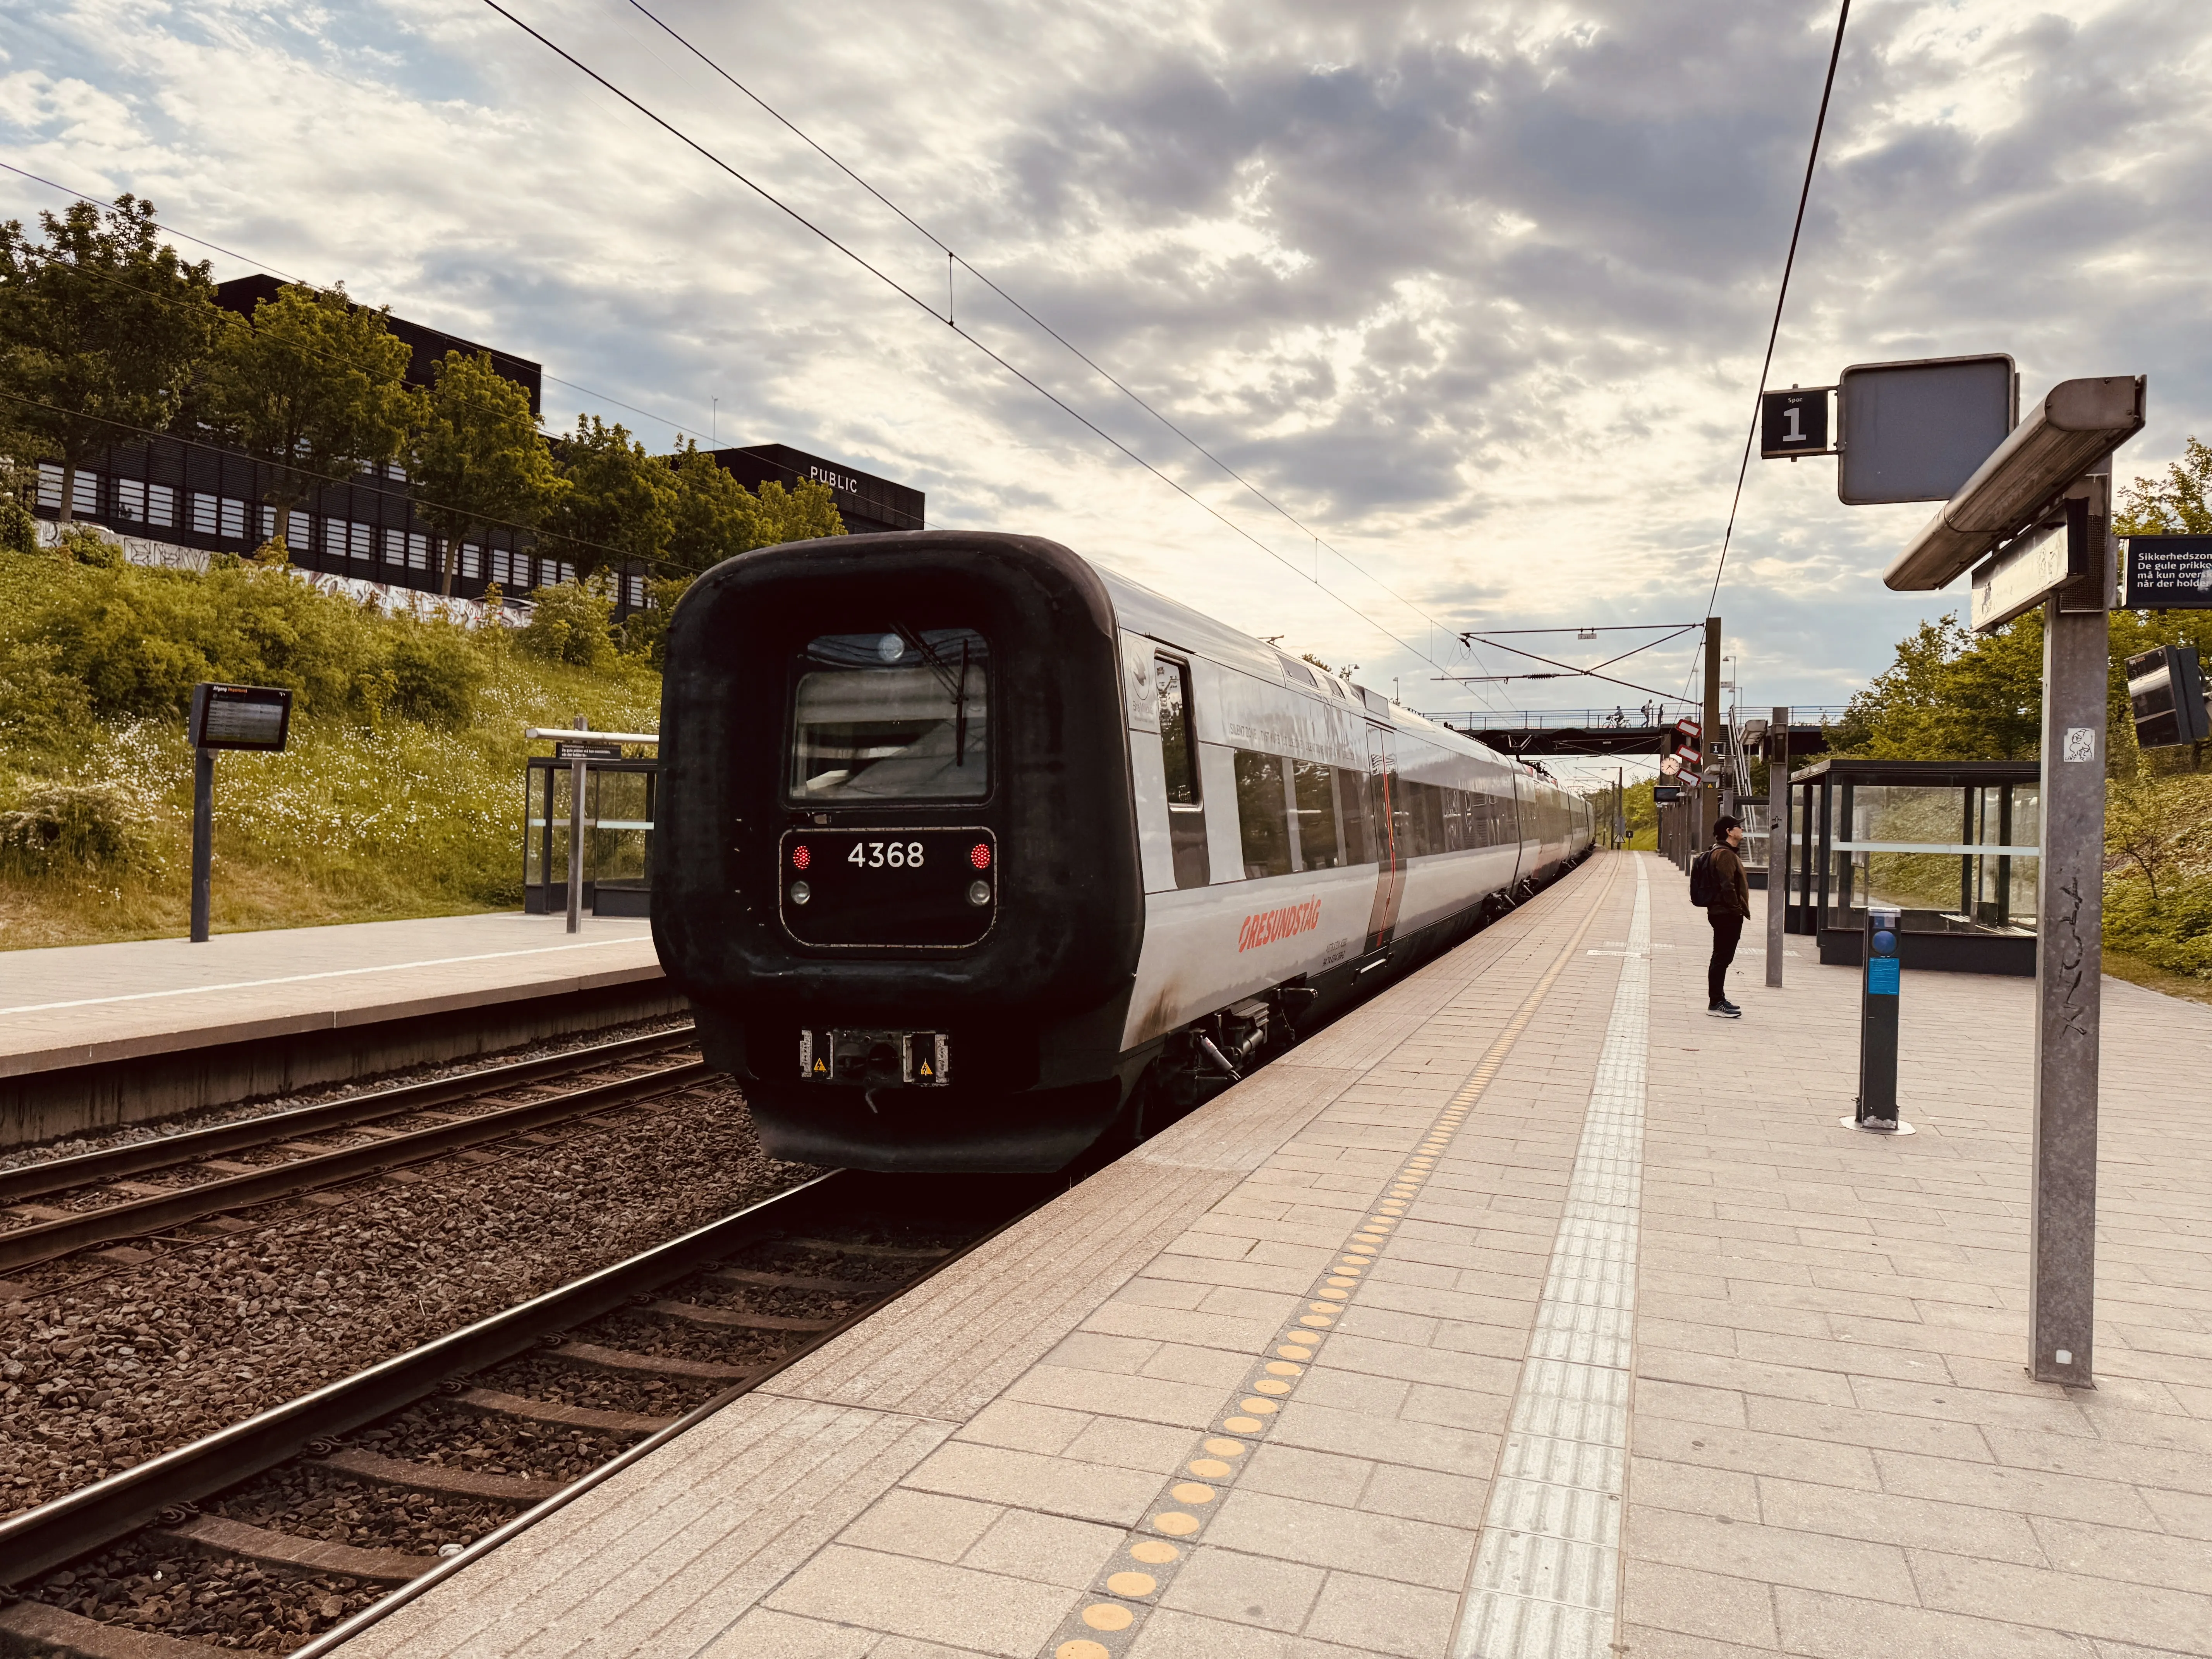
x=435 y=669
x=57 y=826
x=573 y=622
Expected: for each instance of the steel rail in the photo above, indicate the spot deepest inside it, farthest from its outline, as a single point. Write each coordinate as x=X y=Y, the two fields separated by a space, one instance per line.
x=89 y=1168
x=42 y=1241
x=92 y=1517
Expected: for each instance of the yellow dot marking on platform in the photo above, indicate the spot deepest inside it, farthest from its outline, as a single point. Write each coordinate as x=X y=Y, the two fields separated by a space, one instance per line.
x=1154 y=1551
x=1221 y=1447
x=1132 y=1584
x=1277 y=1368
x=1291 y=1350
x=1321 y=1307
x=1081 y=1650
x=1354 y=1265
x=1212 y=1468
x=1271 y=1385
x=1259 y=1407
x=1104 y=1615
x=1191 y=1492
x=1336 y=1296
x=1242 y=1424
x=1316 y=1319
x=1176 y=1525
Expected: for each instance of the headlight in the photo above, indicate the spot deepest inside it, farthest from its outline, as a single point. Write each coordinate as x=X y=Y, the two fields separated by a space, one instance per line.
x=800 y=892
x=979 y=892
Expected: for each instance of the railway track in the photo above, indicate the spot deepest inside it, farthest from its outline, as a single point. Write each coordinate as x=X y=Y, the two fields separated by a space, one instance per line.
x=102 y=1204
x=182 y=1545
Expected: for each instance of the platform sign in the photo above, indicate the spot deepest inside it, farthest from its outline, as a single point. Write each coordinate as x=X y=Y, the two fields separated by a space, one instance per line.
x=1666 y=795
x=253 y=718
x=1917 y=431
x=2028 y=569
x=2167 y=573
x=567 y=750
x=1794 y=422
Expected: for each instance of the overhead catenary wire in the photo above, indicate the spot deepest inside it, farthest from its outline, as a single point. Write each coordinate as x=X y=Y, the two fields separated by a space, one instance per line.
x=953 y=258
x=1781 y=297
x=921 y=303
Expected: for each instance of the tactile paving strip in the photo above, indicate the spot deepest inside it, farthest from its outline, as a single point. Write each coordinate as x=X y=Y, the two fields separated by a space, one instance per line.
x=1105 y=1625
x=1546 y=1571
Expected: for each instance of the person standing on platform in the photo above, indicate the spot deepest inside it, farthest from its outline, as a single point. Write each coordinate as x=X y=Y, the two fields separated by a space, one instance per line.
x=1718 y=883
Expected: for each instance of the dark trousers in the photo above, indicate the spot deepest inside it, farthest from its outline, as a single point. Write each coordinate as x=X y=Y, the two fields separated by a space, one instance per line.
x=1728 y=928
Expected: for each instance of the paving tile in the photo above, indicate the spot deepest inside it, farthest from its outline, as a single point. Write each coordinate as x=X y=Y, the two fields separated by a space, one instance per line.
x=1829 y=1626
x=1450 y=1500
x=1324 y=1536
x=2065 y=1601
x=1378 y=1615
x=1246 y=1589
x=1293 y=1471
x=1169 y=1633
x=1691 y=1602
x=1021 y=1427
x=1194 y=1404
x=1320 y=1428
x=905 y=1596
x=1125 y=1443
x=1051 y=1549
x=927 y=1524
x=991 y=1474
x=1881 y=1517
x=763 y=1634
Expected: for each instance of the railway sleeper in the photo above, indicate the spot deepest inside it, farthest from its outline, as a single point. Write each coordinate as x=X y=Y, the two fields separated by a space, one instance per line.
x=626 y=1361
x=410 y=1476
x=736 y=1318
x=738 y=1277
x=491 y=1403
x=220 y=1536
x=888 y=1252
x=35 y=1627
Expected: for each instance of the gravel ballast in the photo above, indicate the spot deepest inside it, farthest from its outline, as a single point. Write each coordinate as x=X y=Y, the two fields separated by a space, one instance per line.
x=102 y=1366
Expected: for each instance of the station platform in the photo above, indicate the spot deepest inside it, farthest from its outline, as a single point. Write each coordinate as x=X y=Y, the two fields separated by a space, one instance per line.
x=97 y=1035
x=1525 y=1311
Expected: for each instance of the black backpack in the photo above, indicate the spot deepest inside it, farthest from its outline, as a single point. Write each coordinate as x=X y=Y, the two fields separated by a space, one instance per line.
x=1702 y=880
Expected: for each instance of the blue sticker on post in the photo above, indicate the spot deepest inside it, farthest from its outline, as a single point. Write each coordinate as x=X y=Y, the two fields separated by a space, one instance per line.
x=1881 y=976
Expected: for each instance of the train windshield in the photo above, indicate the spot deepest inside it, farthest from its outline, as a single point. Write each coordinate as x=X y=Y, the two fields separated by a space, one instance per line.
x=898 y=715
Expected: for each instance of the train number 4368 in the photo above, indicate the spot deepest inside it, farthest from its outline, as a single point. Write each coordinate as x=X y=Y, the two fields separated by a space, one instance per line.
x=876 y=854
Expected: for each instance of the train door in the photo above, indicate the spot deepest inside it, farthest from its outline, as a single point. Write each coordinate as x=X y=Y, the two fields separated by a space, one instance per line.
x=1383 y=821
x=1179 y=759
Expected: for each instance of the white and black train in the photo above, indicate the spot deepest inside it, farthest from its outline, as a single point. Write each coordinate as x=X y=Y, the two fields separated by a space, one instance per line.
x=971 y=855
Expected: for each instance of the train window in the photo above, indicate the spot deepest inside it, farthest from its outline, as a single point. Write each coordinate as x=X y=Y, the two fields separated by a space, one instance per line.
x=1316 y=799
x=1400 y=794
x=1455 y=821
x=1358 y=839
x=896 y=714
x=1298 y=671
x=1263 y=814
x=1178 y=751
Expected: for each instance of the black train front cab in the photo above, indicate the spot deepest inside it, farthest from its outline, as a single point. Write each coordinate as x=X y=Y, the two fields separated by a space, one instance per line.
x=895 y=862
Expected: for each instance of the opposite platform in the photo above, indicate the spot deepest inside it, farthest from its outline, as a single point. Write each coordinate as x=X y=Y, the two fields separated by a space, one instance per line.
x=1519 y=1313
x=100 y=1034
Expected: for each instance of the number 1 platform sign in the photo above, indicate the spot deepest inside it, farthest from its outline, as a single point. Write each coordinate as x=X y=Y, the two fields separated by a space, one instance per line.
x=1794 y=422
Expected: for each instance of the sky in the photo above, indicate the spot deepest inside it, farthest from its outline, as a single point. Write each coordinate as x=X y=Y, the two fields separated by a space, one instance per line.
x=1474 y=297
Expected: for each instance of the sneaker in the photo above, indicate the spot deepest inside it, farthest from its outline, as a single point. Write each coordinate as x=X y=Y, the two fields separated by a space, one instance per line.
x=1725 y=1011
x=1730 y=1007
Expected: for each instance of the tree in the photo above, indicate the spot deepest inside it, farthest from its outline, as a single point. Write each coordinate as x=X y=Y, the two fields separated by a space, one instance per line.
x=477 y=459
x=616 y=505
x=101 y=327
x=1950 y=695
x=2175 y=505
x=712 y=516
x=800 y=515
x=315 y=384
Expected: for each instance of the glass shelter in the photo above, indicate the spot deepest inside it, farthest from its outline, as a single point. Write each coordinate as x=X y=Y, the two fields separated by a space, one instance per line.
x=619 y=809
x=1951 y=843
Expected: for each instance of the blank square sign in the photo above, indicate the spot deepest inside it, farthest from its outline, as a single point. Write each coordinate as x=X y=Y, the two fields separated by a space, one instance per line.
x=1915 y=431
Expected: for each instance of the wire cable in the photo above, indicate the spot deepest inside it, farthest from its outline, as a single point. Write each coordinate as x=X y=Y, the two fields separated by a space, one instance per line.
x=1080 y=356
x=897 y=287
x=1773 y=333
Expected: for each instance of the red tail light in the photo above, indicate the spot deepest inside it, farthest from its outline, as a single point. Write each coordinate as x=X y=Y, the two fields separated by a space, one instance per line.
x=980 y=855
x=800 y=858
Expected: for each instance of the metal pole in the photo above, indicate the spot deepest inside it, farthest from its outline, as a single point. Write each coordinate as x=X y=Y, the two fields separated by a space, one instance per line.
x=576 y=764
x=2069 y=908
x=202 y=839
x=1778 y=842
x=1710 y=738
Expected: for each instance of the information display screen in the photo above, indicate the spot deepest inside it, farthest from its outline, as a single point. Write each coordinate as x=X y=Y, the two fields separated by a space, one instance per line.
x=249 y=717
x=2168 y=573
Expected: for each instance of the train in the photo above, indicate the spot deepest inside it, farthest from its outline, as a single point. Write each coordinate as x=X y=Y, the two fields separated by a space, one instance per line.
x=973 y=855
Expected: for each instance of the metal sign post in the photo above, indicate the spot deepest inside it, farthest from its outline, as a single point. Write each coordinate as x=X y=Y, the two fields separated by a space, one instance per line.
x=1880 y=990
x=2056 y=458
x=577 y=762
x=1778 y=842
x=1707 y=811
x=256 y=718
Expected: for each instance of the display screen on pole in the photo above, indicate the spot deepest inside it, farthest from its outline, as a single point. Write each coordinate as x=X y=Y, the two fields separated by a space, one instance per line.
x=1917 y=431
x=255 y=718
x=2168 y=573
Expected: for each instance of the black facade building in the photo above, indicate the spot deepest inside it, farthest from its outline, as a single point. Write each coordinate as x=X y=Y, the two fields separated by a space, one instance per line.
x=188 y=492
x=866 y=502
x=428 y=345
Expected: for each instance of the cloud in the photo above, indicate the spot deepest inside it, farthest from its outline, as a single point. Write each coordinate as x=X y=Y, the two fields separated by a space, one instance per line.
x=1477 y=293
